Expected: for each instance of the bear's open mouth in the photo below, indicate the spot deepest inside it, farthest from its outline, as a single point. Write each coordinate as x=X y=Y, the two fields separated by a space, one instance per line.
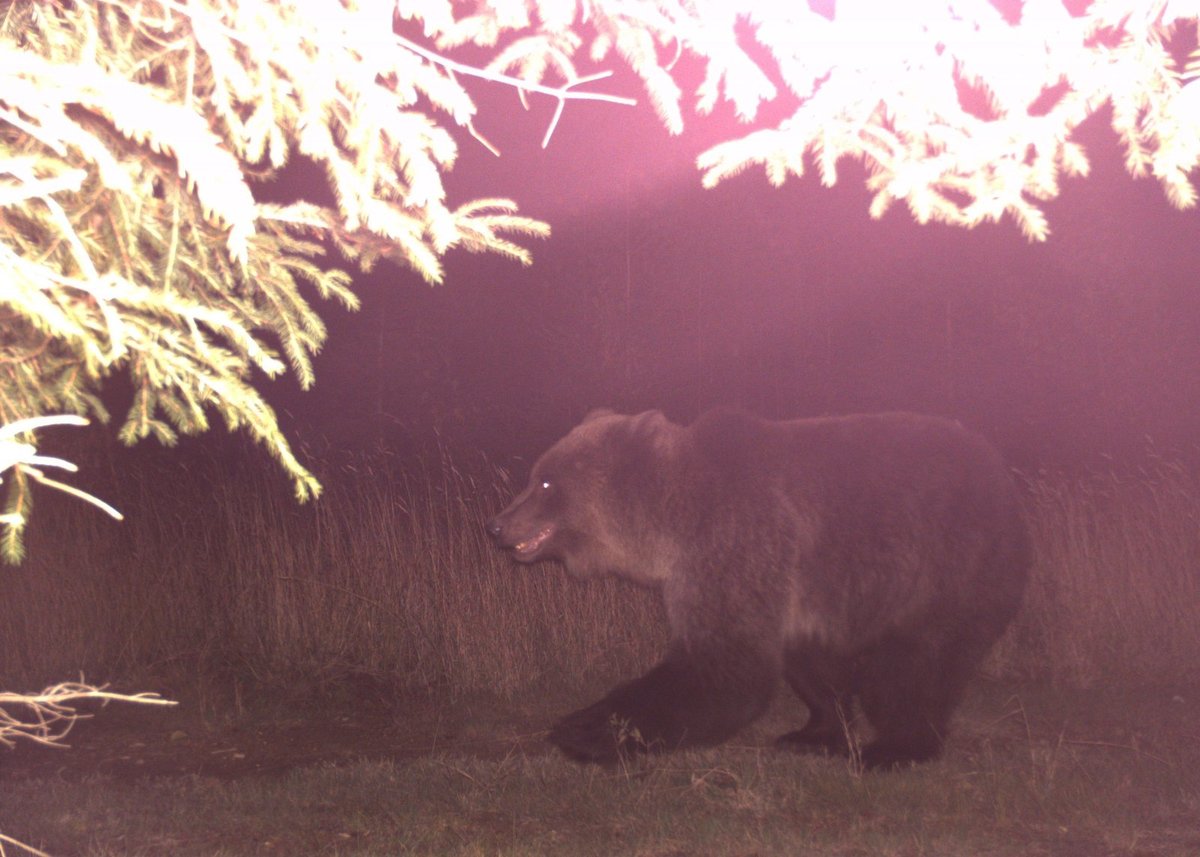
x=529 y=548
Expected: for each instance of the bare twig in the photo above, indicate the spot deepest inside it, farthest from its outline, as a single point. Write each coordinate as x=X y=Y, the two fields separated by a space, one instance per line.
x=51 y=713
x=29 y=848
x=517 y=82
x=562 y=94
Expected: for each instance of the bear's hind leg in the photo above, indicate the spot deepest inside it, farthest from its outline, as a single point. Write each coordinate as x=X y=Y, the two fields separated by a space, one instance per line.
x=818 y=678
x=909 y=688
x=908 y=739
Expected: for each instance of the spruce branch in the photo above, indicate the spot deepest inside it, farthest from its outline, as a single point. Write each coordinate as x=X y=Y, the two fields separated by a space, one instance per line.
x=888 y=92
x=131 y=240
x=478 y=224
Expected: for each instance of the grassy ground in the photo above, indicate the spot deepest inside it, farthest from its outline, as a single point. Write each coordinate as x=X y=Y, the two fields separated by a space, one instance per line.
x=1028 y=772
x=1082 y=740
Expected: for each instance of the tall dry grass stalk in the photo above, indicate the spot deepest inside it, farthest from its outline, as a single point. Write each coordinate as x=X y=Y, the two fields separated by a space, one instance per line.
x=1115 y=593
x=217 y=569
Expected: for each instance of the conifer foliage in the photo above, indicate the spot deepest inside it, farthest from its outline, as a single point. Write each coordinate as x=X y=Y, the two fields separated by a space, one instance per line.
x=132 y=138
x=135 y=136
x=962 y=109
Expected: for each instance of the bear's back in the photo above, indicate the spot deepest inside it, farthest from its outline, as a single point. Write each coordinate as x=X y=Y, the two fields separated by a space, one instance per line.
x=897 y=508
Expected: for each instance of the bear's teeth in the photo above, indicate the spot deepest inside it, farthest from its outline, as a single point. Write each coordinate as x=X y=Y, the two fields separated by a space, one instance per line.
x=531 y=545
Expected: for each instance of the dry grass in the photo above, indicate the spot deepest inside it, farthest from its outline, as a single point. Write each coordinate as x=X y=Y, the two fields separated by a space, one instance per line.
x=1116 y=591
x=389 y=574
x=218 y=570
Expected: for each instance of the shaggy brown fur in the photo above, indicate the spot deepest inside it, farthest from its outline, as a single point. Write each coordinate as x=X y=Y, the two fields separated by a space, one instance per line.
x=868 y=558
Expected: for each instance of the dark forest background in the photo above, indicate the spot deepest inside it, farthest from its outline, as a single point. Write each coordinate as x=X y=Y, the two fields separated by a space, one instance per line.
x=1076 y=357
x=653 y=292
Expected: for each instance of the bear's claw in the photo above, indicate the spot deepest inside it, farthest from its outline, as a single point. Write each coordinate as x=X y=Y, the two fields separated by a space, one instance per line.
x=591 y=735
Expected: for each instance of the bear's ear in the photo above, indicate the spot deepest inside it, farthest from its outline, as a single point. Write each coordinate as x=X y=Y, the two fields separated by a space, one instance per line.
x=597 y=413
x=655 y=428
x=648 y=421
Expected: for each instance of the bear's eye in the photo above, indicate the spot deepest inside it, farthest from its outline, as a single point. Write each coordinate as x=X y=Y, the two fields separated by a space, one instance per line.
x=545 y=486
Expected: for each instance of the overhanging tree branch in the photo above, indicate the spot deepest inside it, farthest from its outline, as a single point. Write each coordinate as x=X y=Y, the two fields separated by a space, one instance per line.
x=131 y=240
x=963 y=113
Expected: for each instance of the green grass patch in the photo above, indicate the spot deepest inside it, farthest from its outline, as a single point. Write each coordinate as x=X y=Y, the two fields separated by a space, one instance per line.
x=1027 y=773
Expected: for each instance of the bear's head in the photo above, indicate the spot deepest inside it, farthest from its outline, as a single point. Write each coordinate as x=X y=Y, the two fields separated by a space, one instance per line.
x=595 y=497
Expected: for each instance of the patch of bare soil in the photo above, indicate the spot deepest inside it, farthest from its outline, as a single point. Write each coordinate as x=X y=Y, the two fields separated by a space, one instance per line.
x=239 y=730
x=252 y=732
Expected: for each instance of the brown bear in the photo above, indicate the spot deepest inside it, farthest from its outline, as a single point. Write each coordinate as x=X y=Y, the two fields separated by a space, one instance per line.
x=871 y=559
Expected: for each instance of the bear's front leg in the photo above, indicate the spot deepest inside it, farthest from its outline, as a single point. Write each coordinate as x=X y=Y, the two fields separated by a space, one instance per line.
x=595 y=734
x=681 y=702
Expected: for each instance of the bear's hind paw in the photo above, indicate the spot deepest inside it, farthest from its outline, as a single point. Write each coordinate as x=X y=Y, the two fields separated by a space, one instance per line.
x=886 y=756
x=814 y=742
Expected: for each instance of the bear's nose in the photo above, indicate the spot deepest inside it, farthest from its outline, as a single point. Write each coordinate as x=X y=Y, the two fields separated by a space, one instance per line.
x=493 y=528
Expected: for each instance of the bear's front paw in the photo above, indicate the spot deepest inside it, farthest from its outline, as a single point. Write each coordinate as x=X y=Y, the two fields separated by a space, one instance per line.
x=596 y=734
